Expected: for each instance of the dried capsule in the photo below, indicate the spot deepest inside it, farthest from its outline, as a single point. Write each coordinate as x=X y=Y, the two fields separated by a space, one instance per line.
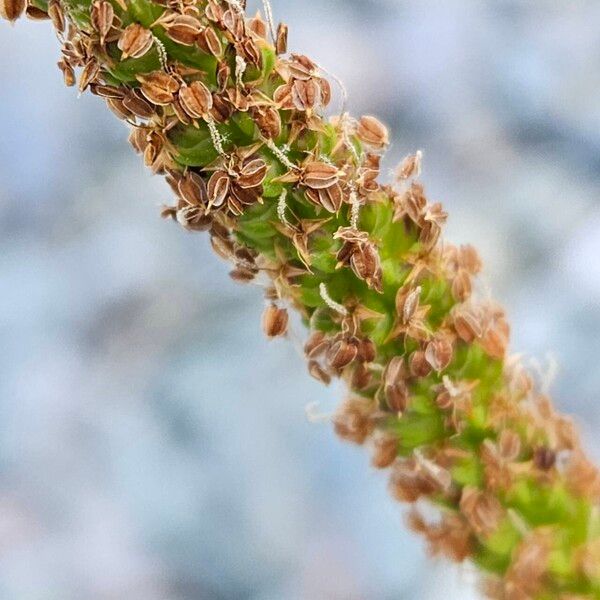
x=385 y=450
x=282 y=39
x=183 y=29
x=482 y=510
x=11 y=10
x=138 y=105
x=68 y=73
x=319 y=175
x=439 y=353
x=102 y=17
x=544 y=458
x=159 y=87
x=395 y=389
x=341 y=353
x=34 y=13
x=88 y=75
x=57 y=15
x=409 y=167
x=195 y=99
x=275 y=321
x=372 y=132
x=318 y=372
x=135 y=41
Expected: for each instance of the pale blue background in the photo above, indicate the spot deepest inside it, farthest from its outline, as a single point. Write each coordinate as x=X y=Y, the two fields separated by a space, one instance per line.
x=153 y=446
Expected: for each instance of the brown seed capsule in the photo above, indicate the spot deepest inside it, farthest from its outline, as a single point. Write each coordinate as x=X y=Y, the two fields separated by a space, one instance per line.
x=319 y=175
x=317 y=371
x=468 y=323
x=57 y=15
x=544 y=458
x=258 y=26
x=407 y=303
x=34 y=13
x=67 y=71
x=352 y=421
x=306 y=95
x=439 y=353
x=361 y=377
x=395 y=389
x=11 y=10
x=159 y=87
x=366 y=265
x=196 y=99
x=330 y=198
x=116 y=106
x=316 y=344
x=218 y=189
x=193 y=218
x=183 y=29
x=135 y=41
x=252 y=174
x=341 y=354
x=409 y=167
x=192 y=189
x=242 y=274
x=418 y=365
x=372 y=132
x=482 y=510
x=509 y=445
x=136 y=104
x=138 y=138
x=275 y=321
x=282 y=39
x=268 y=121
x=461 y=286
x=385 y=450
x=301 y=67
x=88 y=75
x=102 y=17
x=209 y=41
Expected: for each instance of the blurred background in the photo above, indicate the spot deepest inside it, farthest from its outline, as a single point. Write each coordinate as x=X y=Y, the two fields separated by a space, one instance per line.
x=153 y=445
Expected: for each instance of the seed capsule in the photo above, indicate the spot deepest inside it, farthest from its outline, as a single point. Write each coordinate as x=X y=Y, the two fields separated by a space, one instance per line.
x=385 y=450
x=372 y=132
x=439 y=354
x=192 y=189
x=318 y=372
x=319 y=175
x=183 y=29
x=88 y=75
x=159 y=87
x=57 y=15
x=418 y=365
x=196 y=99
x=341 y=354
x=36 y=14
x=544 y=458
x=102 y=17
x=135 y=41
x=68 y=73
x=282 y=38
x=275 y=321
x=11 y=10
x=136 y=104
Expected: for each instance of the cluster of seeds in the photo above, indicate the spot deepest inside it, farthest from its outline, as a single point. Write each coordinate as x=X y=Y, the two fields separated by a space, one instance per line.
x=292 y=199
